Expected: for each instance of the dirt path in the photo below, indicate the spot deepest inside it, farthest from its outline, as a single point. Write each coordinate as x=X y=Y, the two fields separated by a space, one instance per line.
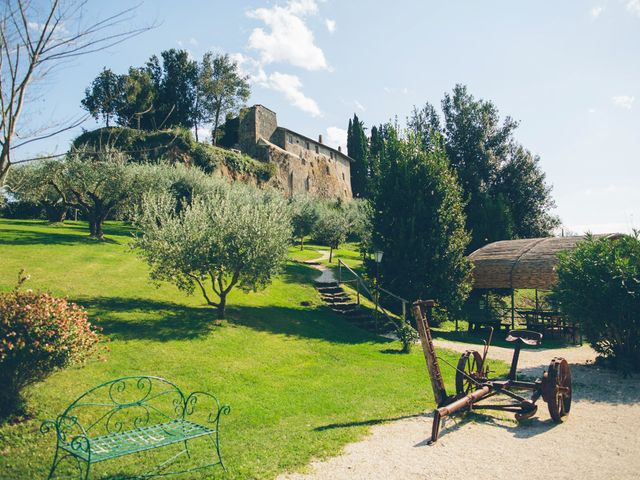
x=327 y=275
x=600 y=439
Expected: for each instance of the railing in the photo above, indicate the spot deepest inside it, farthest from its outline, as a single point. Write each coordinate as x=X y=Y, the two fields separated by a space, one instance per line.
x=362 y=288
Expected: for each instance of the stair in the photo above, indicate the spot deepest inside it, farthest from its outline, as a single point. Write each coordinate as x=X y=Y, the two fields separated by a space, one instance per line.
x=340 y=302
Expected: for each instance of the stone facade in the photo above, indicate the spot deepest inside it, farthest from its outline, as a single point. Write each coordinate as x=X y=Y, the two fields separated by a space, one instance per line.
x=304 y=165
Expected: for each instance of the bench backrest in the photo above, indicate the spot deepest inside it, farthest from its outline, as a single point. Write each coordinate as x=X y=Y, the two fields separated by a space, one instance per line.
x=122 y=404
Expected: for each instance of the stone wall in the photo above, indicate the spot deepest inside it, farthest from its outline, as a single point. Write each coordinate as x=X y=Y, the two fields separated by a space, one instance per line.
x=303 y=165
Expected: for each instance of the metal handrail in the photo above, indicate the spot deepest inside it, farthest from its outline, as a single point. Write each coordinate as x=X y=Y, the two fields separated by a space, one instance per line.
x=360 y=282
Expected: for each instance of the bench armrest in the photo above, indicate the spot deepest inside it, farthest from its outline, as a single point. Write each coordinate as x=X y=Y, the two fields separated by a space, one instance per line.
x=214 y=414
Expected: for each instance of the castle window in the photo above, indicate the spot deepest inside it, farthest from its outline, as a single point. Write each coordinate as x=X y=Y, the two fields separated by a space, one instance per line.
x=307 y=184
x=317 y=149
x=343 y=176
x=328 y=171
x=307 y=145
x=290 y=138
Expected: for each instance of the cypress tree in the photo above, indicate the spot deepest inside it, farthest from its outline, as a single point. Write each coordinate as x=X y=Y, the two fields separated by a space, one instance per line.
x=358 y=150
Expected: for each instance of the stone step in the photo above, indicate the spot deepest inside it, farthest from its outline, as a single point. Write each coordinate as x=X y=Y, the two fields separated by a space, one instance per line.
x=337 y=298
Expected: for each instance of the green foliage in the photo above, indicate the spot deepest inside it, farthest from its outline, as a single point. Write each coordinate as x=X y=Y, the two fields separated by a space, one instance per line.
x=282 y=360
x=170 y=91
x=358 y=150
x=137 y=95
x=231 y=235
x=30 y=186
x=96 y=183
x=599 y=288
x=332 y=227
x=38 y=334
x=305 y=213
x=503 y=186
x=221 y=89
x=418 y=223
x=103 y=97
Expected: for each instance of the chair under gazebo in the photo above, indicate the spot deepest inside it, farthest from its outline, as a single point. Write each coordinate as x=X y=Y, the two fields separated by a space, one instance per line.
x=510 y=265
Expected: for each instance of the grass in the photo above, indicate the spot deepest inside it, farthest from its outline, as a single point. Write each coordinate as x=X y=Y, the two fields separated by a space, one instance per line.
x=301 y=381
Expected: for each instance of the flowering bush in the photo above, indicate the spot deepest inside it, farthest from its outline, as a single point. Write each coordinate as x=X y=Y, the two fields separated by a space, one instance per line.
x=38 y=333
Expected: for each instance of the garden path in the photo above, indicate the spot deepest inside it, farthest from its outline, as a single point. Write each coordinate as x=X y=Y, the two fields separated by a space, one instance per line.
x=327 y=275
x=598 y=440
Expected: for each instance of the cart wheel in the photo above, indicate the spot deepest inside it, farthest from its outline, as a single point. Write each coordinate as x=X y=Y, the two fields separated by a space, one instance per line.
x=471 y=364
x=556 y=389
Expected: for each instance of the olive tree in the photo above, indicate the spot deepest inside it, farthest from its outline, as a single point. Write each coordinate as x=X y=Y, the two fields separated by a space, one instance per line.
x=96 y=183
x=234 y=235
x=332 y=228
x=305 y=212
x=29 y=183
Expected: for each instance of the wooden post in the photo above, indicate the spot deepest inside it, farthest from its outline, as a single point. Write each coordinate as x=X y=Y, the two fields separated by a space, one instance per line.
x=422 y=322
x=339 y=272
x=513 y=309
x=358 y=291
x=404 y=310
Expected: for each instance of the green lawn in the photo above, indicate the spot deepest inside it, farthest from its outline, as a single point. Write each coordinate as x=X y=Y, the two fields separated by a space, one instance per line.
x=301 y=381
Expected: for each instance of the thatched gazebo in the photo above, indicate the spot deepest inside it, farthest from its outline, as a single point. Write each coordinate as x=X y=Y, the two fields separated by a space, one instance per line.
x=515 y=264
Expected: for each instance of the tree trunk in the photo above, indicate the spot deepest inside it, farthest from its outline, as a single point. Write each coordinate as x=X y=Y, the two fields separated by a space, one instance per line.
x=98 y=233
x=301 y=242
x=222 y=305
x=215 y=127
x=92 y=227
x=195 y=128
x=330 y=254
x=5 y=163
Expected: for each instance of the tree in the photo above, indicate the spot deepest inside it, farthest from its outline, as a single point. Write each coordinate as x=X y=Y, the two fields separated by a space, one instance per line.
x=521 y=183
x=222 y=90
x=425 y=124
x=305 y=212
x=34 y=40
x=175 y=101
x=96 y=183
x=332 y=228
x=234 y=235
x=477 y=146
x=135 y=103
x=599 y=289
x=29 y=183
x=418 y=222
x=103 y=97
x=357 y=149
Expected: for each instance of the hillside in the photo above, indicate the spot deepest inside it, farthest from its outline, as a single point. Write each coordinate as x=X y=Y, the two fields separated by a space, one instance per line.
x=178 y=146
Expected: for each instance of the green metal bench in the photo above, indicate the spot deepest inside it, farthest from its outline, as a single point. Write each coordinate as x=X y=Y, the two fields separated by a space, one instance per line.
x=130 y=415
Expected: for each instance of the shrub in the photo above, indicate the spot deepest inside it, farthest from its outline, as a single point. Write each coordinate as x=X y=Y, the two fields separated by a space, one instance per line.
x=599 y=288
x=38 y=334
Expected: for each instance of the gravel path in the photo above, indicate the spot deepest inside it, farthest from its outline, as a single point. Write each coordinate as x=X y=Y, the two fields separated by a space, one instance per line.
x=327 y=275
x=600 y=439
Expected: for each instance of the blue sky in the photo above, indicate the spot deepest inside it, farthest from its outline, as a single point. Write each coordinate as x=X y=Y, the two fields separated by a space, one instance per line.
x=568 y=71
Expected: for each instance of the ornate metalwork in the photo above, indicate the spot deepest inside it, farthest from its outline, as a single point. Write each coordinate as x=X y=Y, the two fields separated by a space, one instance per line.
x=130 y=415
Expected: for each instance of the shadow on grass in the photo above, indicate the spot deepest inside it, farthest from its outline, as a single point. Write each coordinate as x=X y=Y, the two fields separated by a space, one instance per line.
x=57 y=234
x=366 y=423
x=163 y=321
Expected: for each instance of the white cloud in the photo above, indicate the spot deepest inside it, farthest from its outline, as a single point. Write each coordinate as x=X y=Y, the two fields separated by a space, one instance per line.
x=596 y=12
x=291 y=87
x=288 y=39
x=331 y=25
x=359 y=106
x=623 y=101
x=193 y=41
x=337 y=137
x=633 y=6
x=393 y=90
x=592 y=110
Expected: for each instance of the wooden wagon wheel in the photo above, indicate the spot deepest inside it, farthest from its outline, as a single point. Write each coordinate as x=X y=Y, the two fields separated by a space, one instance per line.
x=471 y=364
x=556 y=389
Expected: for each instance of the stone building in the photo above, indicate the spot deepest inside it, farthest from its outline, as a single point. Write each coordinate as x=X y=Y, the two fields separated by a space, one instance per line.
x=303 y=164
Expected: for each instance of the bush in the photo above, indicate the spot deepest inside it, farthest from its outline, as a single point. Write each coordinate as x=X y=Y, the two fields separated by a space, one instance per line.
x=38 y=334
x=599 y=289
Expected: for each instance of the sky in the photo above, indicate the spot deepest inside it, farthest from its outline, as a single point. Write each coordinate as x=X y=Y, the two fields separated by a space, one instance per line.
x=568 y=71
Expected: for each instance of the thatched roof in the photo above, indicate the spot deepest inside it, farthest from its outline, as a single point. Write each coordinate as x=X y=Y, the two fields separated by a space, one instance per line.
x=527 y=263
